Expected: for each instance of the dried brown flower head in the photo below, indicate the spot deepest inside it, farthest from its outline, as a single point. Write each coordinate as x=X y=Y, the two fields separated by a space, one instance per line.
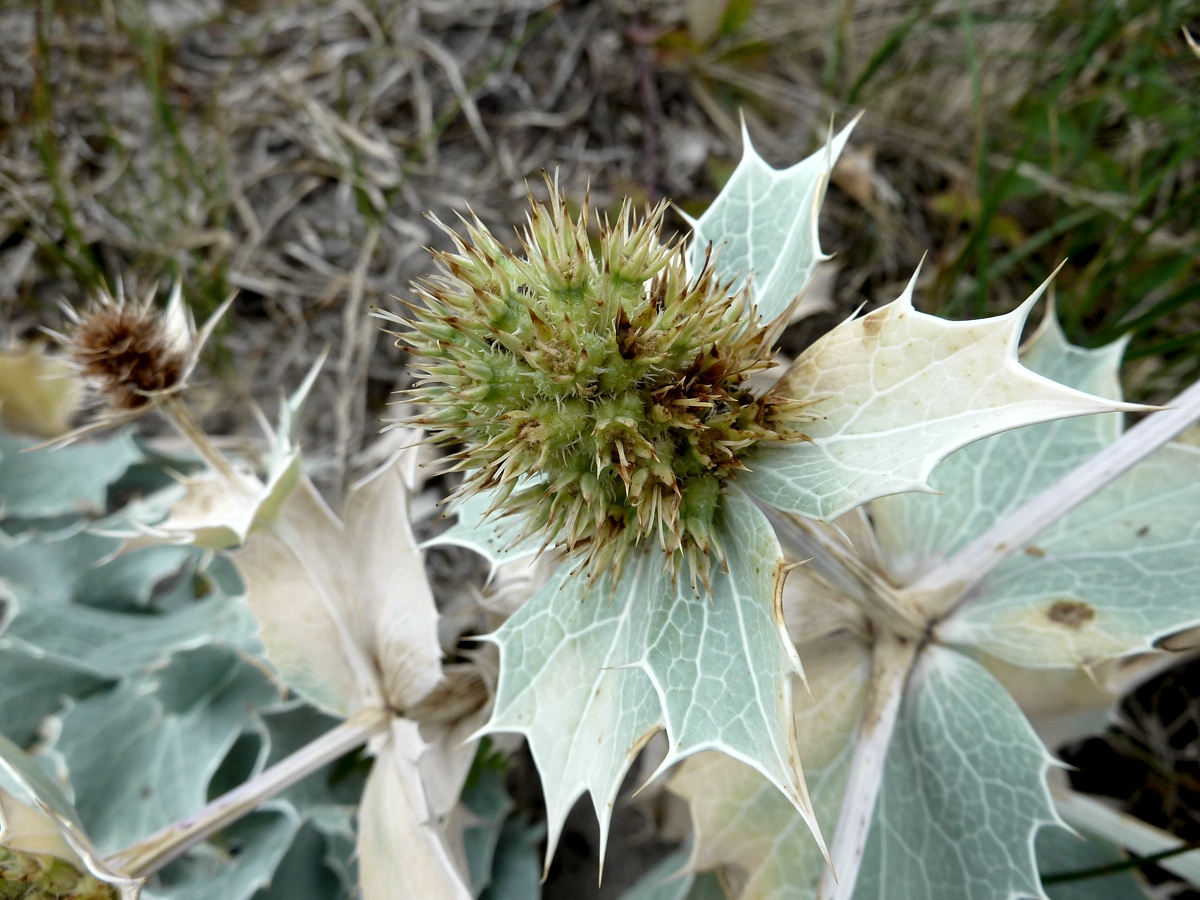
x=126 y=351
x=132 y=354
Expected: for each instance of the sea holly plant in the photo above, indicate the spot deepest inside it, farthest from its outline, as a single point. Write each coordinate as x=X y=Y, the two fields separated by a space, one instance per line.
x=855 y=597
x=596 y=394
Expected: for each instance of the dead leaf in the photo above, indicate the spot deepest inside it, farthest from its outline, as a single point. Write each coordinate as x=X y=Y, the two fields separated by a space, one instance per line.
x=402 y=853
x=39 y=394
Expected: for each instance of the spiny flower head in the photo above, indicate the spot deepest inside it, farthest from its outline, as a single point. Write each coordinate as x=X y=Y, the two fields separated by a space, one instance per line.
x=126 y=350
x=599 y=391
x=40 y=875
x=132 y=353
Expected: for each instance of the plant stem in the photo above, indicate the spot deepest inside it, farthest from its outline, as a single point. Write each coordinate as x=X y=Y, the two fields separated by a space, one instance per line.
x=147 y=856
x=181 y=417
x=1135 y=862
x=838 y=563
x=892 y=660
x=940 y=590
x=1093 y=817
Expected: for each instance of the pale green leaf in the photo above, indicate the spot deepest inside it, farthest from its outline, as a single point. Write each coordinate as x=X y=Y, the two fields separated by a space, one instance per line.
x=491 y=538
x=487 y=799
x=129 y=582
x=672 y=880
x=213 y=872
x=150 y=490
x=722 y=662
x=763 y=835
x=763 y=225
x=341 y=853
x=1108 y=579
x=740 y=820
x=1095 y=584
x=516 y=870
x=994 y=476
x=245 y=759
x=589 y=679
x=50 y=571
x=48 y=579
x=707 y=887
x=32 y=688
x=305 y=873
x=169 y=738
x=566 y=683
x=501 y=849
x=402 y=853
x=892 y=394
x=73 y=480
x=110 y=645
x=1066 y=705
x=963 y=795
x=1059 y=851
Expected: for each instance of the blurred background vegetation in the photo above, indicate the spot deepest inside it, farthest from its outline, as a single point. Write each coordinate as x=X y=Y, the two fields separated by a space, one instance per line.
x=290 y=150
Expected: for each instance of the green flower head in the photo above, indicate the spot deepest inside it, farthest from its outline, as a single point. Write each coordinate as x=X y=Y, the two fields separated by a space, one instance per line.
x=40 y=876
x=599 y=389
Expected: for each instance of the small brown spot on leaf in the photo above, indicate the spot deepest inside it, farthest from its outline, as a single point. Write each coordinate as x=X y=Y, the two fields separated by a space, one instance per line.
x=872 y=324
x=1034 y=550
x=1071 y=613
x=1143 y=531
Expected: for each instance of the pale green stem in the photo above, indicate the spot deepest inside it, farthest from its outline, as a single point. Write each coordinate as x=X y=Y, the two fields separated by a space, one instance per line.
x=151 y=854
x=941 y=589
x=1094 y=817
x=892 y=661
x=181 y=417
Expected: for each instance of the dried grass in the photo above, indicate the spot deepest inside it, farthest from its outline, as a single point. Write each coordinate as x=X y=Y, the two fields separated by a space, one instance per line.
x=291 y=151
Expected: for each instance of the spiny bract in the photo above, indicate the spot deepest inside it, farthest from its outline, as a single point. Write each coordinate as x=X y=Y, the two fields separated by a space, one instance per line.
x=601 y=391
